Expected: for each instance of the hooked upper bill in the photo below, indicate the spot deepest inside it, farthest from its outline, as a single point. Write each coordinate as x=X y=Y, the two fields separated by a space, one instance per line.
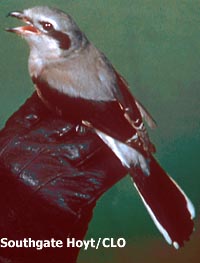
x=28 y=28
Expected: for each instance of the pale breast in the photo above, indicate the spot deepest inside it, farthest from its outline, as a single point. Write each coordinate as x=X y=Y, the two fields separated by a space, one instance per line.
x=85 y=75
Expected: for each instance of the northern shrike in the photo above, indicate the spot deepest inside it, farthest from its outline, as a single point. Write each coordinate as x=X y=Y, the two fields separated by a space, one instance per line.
x=75 y=79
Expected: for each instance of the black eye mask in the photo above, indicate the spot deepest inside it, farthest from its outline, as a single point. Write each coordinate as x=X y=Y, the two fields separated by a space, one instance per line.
x=62 y=38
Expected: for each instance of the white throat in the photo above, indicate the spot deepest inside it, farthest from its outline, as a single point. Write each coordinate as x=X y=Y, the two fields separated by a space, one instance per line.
x=38 y=59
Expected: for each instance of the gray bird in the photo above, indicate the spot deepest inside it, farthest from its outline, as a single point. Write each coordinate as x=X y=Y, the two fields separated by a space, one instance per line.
x=75 y=79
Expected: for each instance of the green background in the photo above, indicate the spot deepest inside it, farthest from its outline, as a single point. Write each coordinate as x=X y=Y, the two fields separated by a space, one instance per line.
x=155 y=44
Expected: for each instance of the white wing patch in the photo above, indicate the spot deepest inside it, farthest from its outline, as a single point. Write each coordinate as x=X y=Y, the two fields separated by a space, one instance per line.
x=128 y=156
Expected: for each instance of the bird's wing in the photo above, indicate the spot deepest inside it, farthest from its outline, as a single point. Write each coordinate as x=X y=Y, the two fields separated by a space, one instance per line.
x=112 y=80
x=134 y=112
x=131 y=105
x=126 y=106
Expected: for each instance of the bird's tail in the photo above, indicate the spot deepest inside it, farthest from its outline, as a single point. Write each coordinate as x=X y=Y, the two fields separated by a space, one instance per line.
x=168 y=206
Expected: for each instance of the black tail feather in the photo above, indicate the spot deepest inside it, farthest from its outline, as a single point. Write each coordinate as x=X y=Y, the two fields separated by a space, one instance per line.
x=169 y=207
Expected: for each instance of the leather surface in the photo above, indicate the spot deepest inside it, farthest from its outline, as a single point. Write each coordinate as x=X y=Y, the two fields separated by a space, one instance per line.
x=53 y=172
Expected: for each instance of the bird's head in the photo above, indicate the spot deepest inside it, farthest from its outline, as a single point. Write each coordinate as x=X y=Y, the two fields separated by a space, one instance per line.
x=49 y=31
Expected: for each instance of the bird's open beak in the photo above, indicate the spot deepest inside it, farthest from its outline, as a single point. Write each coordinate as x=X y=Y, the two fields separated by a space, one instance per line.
x=22 y=30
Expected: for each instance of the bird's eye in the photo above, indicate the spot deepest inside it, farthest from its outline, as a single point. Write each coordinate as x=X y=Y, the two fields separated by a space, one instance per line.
x=47 y=26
